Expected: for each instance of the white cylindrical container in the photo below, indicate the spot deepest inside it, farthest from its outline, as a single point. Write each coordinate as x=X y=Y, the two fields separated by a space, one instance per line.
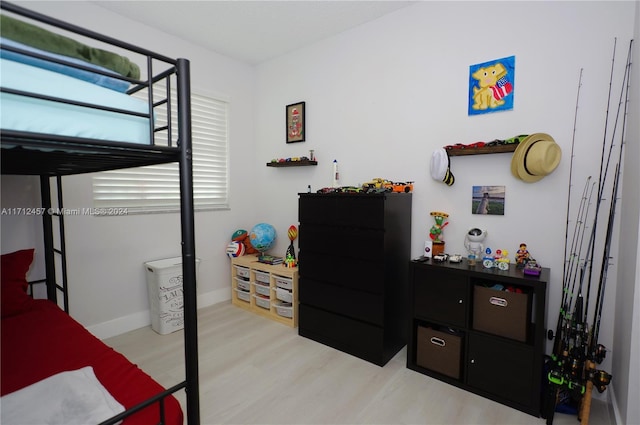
x=336 y=174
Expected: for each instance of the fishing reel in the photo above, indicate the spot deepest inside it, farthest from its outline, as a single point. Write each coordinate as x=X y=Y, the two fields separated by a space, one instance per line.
x=601 y=379
x=599 y=353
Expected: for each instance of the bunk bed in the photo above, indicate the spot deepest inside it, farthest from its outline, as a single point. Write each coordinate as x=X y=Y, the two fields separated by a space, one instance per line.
x=59 y=113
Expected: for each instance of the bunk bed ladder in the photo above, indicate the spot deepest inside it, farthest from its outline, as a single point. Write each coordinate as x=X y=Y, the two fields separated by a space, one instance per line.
x=50 y=250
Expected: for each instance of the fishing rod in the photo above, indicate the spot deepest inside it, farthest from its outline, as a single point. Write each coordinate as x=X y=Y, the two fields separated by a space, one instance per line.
x=572 y=342
x=555 y=380
x=578 y=255
x=606 y=256
x=625 y=79
x=602 y=178
x=573 y=142
x=595 y=351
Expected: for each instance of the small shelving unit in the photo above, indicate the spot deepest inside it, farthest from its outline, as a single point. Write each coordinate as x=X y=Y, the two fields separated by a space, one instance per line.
x=292 y=163
x=265 y=289
x=483 y=150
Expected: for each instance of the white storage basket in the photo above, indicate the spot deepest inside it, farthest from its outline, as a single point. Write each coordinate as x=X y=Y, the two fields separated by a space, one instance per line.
x=164 y=286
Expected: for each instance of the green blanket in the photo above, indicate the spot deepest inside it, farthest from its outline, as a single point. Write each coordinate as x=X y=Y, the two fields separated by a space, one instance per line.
x=40 y=38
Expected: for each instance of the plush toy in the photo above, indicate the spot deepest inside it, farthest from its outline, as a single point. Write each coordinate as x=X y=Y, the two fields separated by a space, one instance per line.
x=242 y=236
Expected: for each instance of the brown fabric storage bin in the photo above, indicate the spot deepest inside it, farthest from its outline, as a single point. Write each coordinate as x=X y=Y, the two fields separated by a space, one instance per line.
x=501 y=313
x=439 y=351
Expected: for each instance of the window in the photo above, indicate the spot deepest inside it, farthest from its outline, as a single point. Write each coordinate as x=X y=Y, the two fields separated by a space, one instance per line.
x=156 y=188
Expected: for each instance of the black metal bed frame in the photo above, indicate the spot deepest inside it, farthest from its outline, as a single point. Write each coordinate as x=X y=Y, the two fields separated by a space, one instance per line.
x=52 y=156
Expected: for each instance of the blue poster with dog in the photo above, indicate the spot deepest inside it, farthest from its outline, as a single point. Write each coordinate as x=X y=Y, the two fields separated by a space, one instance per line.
x=492 y=86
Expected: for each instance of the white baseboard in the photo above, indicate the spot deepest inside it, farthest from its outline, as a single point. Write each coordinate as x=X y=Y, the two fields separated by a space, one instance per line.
x=141 y=319
x=615 y=417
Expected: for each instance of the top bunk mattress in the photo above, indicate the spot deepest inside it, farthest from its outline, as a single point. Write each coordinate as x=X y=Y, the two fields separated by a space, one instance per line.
x=48 y=116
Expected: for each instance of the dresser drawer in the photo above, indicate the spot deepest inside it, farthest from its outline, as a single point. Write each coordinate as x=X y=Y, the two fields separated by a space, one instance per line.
x=342 y=242
x=442 y=297
x=358 y=274
x=351 y=336
x=345 y=301
x=342 y=210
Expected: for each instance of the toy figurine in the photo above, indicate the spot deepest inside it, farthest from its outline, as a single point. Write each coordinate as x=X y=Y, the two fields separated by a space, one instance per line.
x=502 y=259
x=291 y=252
x=522 y=256
x=488 y=261
x=473 y=243
x=436 y=229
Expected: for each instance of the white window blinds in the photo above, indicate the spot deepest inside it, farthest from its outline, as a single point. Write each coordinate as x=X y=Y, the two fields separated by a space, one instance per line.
x=156 y=188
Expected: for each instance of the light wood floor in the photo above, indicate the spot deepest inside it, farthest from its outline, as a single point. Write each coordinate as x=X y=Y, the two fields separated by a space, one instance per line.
x=256 y=371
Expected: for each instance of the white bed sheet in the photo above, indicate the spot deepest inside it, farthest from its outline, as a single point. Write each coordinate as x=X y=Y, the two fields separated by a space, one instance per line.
x=41 y=116
x=68 y=398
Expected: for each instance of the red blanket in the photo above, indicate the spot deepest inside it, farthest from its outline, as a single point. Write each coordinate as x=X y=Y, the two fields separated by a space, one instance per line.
x=43 y=340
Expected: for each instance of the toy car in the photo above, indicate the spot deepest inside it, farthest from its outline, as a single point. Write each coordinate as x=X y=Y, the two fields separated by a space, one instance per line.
x=455 y=258
x=402 y=187
x=440 y=258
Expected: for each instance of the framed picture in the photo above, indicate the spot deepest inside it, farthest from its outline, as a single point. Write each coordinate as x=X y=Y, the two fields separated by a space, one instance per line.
x=492 y=86
x=488 y=200
x=295 y=122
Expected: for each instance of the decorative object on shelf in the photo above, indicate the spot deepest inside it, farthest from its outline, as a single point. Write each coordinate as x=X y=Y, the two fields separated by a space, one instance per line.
x=335 y=175
x=535 y=157
x=473 y=243
x=270 y=259
x=242 y=236
x=440 y=167
x=522 y=256
x=436 y=231
x=491 y=86
x=262 y=237
x=295 y=118
x=291 y=251
x=488 y=200
x=235 y=249
x=312 y=156
x=488 y=262
x=501 y=259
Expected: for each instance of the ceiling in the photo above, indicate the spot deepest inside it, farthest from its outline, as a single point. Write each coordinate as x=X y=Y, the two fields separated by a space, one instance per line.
x=253 y=31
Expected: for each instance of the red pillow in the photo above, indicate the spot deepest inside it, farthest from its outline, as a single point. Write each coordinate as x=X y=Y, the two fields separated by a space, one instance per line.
x=13 y=286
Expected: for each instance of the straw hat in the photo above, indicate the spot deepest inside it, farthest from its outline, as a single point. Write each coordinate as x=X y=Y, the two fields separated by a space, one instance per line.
x=535 y=157
x=440 y=167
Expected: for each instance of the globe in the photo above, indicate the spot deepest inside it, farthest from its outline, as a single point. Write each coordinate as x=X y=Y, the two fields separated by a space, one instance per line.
x=262 y=236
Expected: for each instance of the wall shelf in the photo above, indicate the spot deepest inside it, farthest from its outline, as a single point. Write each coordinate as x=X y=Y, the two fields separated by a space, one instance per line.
x=483 y=150
x=292 y=163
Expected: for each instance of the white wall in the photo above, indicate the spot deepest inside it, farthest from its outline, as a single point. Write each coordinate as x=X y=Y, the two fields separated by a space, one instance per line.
x=105 y=254
x=381 y=97
x=626 y=344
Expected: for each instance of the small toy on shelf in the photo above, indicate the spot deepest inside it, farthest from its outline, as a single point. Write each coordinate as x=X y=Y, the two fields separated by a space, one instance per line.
x=473 y=243
x=240 y=236
x=522 y=256
x=501 y=259
x=435 y=233
x=488 y=261
x=455 y=258
x=436 y=230
x=290 y=257
x=532 y=268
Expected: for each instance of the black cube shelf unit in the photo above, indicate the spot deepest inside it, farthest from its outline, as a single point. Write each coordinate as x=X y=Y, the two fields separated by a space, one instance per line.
x=483 y=340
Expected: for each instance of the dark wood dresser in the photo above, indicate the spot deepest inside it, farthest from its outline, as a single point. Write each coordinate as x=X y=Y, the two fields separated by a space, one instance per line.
x=354 y=280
